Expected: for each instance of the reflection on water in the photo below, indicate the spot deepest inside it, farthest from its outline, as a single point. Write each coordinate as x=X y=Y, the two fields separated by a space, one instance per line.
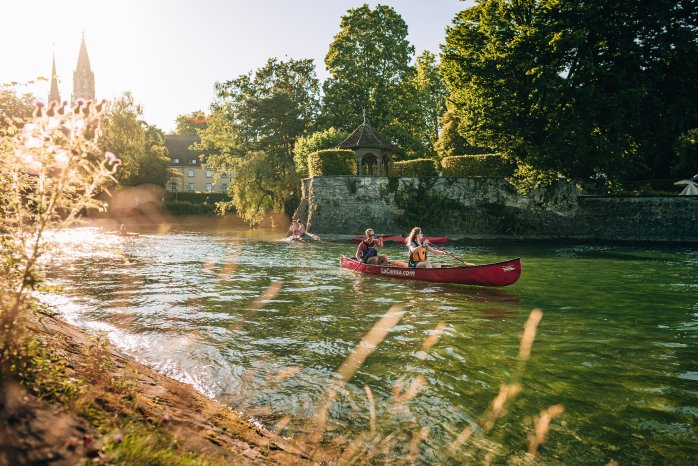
x=263 y=325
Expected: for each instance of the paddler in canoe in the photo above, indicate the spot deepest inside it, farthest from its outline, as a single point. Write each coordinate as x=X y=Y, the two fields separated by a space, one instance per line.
x=418 y=248
x=368 y=249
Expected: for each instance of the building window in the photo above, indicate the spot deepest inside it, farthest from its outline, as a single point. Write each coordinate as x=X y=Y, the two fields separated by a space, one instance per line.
x=190 y=173
x=193 y=162
x=174 y=187
x=224 y=175
x=190 y=187
x=209 y=174
x=175 y=160
x=209 y=187
x=224 y=187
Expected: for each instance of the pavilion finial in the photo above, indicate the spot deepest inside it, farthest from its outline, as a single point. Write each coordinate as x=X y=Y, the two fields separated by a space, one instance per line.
x=364 y=115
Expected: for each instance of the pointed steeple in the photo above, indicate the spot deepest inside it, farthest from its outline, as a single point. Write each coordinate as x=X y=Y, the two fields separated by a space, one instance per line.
x=83 y=77
x=54 y=94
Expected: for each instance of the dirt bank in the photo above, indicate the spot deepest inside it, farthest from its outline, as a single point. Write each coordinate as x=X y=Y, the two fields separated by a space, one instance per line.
x=121 y=401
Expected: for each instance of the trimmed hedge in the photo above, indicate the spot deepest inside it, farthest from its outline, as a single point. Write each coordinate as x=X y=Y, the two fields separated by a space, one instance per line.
x=487 y=166
x=189 y=208
x=331 y=162
x=415 y=168
x=197 y=198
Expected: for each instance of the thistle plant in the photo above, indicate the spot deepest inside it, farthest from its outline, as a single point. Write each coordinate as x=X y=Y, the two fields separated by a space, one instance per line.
x=51 y=171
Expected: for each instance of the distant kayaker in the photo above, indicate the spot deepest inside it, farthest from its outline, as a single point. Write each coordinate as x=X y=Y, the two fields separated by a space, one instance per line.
x=368 y=249
x=418 y=247
x=122 y=231
x=296 y=230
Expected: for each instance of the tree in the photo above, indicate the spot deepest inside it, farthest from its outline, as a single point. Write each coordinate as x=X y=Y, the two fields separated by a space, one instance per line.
x=430 y=95
x=140 y=146
x=319 y=140
x=256 y=121
x=191 y=124
x=264 y=111
x=580 y=89
x=687 y=154
x=368 y=61
x=262 y=183
x=451 y=143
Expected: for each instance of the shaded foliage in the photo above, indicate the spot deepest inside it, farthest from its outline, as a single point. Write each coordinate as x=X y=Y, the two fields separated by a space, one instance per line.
x=576 y=88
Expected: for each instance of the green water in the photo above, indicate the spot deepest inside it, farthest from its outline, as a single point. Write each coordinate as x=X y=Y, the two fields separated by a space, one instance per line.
x=617 y=346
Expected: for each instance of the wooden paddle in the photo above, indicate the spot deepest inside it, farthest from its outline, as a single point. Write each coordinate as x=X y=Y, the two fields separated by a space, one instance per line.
x=469 y=264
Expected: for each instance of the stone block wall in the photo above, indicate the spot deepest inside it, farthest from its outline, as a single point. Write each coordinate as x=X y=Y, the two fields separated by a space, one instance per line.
x=490 y=208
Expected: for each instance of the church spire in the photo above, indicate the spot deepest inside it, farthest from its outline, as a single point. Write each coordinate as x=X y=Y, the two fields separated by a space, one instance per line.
x=83 y=77
x=54 y=94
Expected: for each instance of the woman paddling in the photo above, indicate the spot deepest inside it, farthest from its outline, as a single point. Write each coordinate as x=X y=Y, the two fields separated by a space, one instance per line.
x=418 y=247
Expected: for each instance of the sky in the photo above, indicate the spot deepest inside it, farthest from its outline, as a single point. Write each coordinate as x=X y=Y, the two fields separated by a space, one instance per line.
x=170 y=53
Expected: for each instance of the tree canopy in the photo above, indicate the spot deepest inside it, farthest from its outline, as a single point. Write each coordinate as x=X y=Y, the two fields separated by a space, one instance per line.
x=368 y=61
x=139 y=145
x=576 y=88
x=191 y=123
x=265 y=110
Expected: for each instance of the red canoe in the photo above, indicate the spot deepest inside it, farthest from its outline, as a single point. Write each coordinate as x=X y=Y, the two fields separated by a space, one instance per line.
x=499 y=274
x=401 y=239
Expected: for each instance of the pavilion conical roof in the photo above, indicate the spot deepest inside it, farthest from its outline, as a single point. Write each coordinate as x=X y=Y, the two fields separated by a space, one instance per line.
x=365 y=137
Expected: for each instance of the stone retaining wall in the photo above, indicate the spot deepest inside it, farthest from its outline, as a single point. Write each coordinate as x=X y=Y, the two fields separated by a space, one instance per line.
x=490 y=208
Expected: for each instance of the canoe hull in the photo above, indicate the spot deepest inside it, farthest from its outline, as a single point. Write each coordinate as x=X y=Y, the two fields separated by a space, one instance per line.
x=401 y=239
x=499 y=274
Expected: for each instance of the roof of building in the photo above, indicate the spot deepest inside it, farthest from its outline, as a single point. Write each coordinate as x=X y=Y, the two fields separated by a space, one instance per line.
x=178 y=147
x=365 y=137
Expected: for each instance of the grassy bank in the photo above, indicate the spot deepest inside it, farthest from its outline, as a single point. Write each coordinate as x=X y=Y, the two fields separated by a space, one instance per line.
x=70 y=398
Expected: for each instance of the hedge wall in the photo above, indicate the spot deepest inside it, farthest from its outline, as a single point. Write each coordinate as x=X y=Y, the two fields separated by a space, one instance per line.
x=488 y=166
x=415 y=168
x=197 y=198
x=331 y=162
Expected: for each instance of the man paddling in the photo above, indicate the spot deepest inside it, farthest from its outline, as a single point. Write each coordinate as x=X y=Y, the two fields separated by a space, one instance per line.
x=367 y=251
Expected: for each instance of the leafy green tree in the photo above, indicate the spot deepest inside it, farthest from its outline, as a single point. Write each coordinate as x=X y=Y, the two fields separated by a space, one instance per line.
x=140 y=146
x=319 y=140
x=264 y=111
x=576 y=88
x=369 y=62
x=430 y=97
x=451 y=143
x=256 y=121
x=191 y=124
x=262 y=183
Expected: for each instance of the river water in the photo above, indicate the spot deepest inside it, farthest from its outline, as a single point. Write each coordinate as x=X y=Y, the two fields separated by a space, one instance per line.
x=263 y=325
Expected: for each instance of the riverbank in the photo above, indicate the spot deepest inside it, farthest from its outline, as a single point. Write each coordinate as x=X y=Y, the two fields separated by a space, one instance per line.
x=82 y=401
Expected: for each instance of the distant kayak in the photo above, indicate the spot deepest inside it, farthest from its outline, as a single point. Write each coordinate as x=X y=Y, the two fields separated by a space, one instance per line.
x=301 y=239
x=401 y=239
x=125 y=235
x=499 y=274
